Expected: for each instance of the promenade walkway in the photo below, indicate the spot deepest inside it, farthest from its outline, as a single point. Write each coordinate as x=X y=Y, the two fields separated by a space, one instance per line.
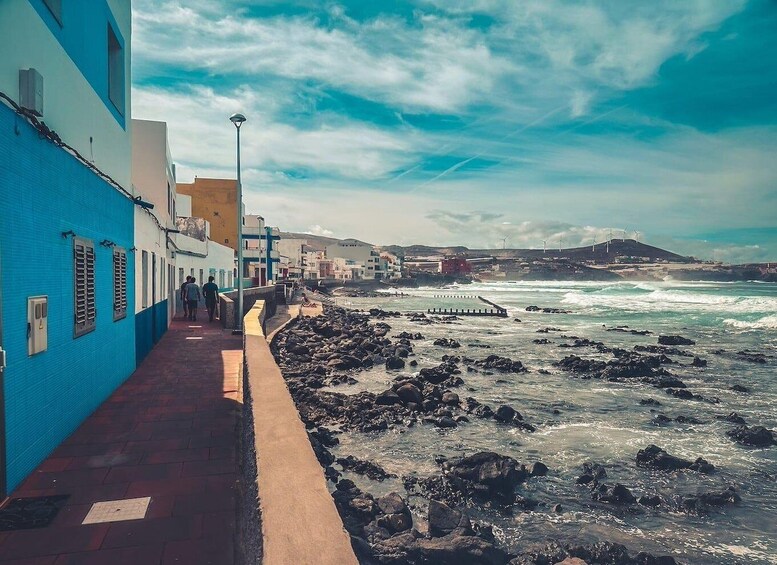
x=169 y=433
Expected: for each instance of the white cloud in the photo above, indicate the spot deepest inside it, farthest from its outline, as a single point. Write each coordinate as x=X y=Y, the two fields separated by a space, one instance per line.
x=201 y=136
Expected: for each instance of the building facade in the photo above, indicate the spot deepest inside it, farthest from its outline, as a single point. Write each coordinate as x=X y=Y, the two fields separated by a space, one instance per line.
x=260 y=254
x=216 y=201
x=361 y=253
x=153 y=181
x=66 y=229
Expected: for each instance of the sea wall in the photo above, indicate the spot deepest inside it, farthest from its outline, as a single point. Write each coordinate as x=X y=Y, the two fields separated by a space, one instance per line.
x=294 y=511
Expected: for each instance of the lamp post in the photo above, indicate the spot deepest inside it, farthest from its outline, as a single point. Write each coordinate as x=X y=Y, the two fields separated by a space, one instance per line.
x=238 y=120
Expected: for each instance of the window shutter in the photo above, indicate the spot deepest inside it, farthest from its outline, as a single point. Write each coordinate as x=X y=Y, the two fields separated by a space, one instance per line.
x=84 y=286
x=119 y=283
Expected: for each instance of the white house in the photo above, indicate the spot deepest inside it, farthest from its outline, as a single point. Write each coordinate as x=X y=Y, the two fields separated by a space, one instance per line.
x=359 y=252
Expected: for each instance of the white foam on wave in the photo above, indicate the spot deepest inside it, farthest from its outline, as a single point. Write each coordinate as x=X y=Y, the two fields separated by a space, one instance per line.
x=765 y=323
x=674 y=300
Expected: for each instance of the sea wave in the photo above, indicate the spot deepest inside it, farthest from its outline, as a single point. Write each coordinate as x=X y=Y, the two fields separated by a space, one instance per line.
x=674 y=300
x=765 y=323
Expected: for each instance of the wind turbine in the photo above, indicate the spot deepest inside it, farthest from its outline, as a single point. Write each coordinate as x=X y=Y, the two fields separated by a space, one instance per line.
x=624 y=234
x=504 y=242
x=636 y=236
x=593 y=245
x=560 y=243
x=544 y=249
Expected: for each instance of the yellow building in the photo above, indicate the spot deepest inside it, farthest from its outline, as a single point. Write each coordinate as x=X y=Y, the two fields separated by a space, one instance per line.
x=216 y=201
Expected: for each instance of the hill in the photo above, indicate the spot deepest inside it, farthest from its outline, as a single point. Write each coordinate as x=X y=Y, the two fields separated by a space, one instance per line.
x=599 y=253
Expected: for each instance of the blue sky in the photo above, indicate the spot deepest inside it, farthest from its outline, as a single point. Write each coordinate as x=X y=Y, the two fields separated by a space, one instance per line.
x=468 y=121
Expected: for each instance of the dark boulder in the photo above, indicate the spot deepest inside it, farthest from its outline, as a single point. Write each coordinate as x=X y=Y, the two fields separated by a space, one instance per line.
x=674 y=340
x=444 y=520
x=740 y=388
x=698 y=362
x=388 y=398
x=539 y=469
x=410 y=393
x=503 y=364
x=756 y=436
x=450 y=398
x=395 y=363
x=368 y=468
x=656 y=458
x=617 y=494
x=487 y=473
x=734 y=418
x=704 y=502
x=457 y=550
x=504 y=414
x=447 y=342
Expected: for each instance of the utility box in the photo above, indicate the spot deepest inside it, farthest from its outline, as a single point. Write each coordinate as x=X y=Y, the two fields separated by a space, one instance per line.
x=31 y=91
x=37 y=324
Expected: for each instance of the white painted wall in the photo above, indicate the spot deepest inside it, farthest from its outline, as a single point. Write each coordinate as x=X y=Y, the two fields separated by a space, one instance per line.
x=152 y=169
x=152 y=173
x=183 y=205
x=71 y=107
x=358 y=252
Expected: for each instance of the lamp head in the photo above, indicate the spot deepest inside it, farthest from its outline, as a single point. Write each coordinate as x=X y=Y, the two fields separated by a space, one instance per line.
x=237 y=119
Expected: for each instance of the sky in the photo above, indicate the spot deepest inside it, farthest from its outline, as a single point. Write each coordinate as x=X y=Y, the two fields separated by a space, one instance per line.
x=478 y=122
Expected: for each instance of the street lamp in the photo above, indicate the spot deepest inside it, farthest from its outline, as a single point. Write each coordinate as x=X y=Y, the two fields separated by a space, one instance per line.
x=238 y=120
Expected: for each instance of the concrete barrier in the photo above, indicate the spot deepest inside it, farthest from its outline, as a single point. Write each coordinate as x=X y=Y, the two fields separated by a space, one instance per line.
x=228 y=303
x=299 y=521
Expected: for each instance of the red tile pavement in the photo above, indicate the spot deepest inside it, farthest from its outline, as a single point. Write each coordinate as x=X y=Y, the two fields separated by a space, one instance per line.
x=170 y=432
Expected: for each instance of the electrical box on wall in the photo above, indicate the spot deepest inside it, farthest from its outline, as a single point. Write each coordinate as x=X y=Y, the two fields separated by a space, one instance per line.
x=31 y=91
x=37 y=324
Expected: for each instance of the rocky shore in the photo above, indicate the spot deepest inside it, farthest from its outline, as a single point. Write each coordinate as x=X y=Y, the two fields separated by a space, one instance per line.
x=432 y=520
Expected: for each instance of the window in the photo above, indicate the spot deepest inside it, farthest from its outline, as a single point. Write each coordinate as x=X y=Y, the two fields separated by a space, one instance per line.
x=144 y=278
x=115 y=71
x=200 y=279
x=119 y=283
x=180 y=276
x=83 y=282
x=221 y=278
x=161 y=278
x=55 y=7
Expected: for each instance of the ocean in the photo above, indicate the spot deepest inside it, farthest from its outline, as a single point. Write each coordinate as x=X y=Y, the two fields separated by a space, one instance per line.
x=590 y=420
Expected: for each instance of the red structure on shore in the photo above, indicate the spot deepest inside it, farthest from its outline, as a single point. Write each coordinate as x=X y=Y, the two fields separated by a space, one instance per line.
x=455 y=266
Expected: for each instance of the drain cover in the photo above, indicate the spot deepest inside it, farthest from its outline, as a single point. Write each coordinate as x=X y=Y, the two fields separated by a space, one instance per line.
x=118 y=510
x=29 y=513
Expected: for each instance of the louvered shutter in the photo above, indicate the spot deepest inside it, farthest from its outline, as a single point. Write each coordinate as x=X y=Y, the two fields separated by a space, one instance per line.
x=119 y=283
x=85 y=307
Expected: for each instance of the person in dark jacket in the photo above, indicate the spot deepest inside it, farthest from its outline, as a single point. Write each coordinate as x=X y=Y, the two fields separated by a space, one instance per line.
x=183 y=297
x=211 y=292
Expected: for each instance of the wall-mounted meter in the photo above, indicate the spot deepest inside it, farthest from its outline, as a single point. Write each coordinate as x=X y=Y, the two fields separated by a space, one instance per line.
x=37 y=324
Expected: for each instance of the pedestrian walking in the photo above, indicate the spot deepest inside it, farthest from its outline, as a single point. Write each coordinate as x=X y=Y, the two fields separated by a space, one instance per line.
x=211 y=292
x=183 y=297
x=193 y=298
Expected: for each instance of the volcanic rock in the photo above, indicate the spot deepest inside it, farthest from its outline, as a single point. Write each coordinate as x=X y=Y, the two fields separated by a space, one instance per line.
x=656 y=458
x=674 y=340
x=756 y=436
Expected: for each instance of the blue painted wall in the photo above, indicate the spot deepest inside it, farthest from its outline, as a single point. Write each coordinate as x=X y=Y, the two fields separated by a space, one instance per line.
x=43 y=192
x=150 y=326
x=84 y=37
